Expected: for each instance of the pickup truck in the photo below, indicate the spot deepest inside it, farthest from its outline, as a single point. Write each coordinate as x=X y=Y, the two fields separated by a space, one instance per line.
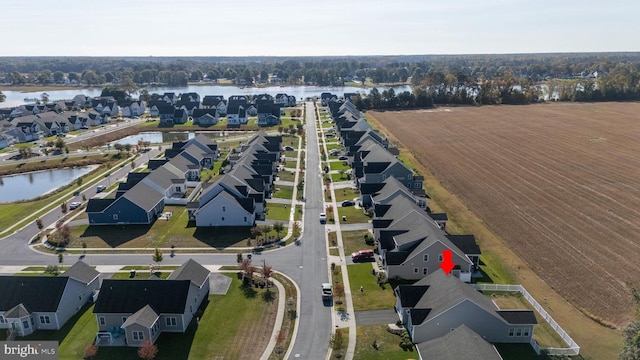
x=327 y=292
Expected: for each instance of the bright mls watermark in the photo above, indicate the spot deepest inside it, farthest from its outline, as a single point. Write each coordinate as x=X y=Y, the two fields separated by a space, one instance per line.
x=43 y=350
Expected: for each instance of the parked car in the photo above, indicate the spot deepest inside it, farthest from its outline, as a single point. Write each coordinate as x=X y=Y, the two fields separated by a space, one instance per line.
x=74 y=205
x=323 y=218
x=101 y=188
x=342 y=158
x=327 y=292
x=348 y=203
x=362 y=255
x=288 y=148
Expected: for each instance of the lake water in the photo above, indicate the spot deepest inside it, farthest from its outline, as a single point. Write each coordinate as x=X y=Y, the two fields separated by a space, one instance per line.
x=16 y=98
x=34 y=184
x=155 y=137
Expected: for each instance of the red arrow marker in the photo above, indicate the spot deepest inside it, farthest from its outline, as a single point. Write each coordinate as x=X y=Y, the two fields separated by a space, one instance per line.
x=447 y=264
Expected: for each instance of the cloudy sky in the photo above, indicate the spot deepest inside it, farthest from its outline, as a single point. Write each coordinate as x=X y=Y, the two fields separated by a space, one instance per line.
x=327 y=27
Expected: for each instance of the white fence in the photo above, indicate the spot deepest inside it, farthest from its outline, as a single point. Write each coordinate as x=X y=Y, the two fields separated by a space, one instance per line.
x=573 y=348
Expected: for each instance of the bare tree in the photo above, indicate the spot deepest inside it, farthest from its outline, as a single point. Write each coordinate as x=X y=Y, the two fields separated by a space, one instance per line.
x=267 y=272
x=247 y=269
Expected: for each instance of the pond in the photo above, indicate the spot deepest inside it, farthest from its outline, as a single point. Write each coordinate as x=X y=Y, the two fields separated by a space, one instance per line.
x=155 y=137
x=31 y=185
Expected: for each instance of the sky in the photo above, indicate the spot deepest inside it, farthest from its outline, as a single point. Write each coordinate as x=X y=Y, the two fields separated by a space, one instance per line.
x=318 y=28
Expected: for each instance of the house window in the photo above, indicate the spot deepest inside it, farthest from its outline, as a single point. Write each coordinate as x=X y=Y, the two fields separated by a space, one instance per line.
x=124 y=318
x=25 y=324
x=33 y=322
x=526 y=332
x=223 y=218
x=511 y=331
x=425 y=257
x=224 y=208
x=519 y=332
x=102 y=321
x=171 y=321
x=416 y=270
x=45 y=320
x=178 y=189
x=138 y=335
x=245 y=219
x=2 y=320
x=115 y=216
x=440 y=258
x=425 y=271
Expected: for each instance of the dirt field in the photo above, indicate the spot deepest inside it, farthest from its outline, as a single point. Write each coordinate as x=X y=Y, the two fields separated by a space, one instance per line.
x=558 y=183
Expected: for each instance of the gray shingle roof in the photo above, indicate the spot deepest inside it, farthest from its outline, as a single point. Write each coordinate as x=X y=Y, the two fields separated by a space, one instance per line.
x=191 y=270
x=36 y=293
x=129 y=296
x=144 y=196
x=519 y=317
x=461 y=343
x=82 y=272
x=145 y=317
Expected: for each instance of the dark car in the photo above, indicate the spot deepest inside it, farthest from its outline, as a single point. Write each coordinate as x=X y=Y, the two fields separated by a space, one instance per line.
x=348 y=203
x=342 y=158
x=100 y=188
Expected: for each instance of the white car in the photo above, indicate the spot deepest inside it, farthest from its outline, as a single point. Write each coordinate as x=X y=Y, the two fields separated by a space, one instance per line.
x=327 y=292
x=74 y=205
x=323 y=218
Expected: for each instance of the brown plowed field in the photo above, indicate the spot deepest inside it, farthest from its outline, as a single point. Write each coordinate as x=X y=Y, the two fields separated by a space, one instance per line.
x=559 y=183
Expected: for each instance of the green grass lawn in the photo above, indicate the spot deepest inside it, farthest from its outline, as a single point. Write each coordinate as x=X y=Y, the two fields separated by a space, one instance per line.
x=353 y=214
x=327 y=125
x=346 y=194
x=283 y=192
x=291 y=153
x=290 y=164
x=388 y=348
x=334 y=145
x=373 y=297
x=339 y=165
x=286 y=175
x=227 y=334
x=140 y=275
x=162 y=233
x=339 y=177
x=354 y=241
x=278 y=211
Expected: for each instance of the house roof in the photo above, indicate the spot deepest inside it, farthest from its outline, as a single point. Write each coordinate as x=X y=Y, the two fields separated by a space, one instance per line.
x=461 y=343
x=82 y=272
x=520 y=317
x=145 y=317
x=191 y=270
x=98 y=205
x=466 y=243
x=129 y=296
x=144 y=196
x=30 y=290
x=16 y=312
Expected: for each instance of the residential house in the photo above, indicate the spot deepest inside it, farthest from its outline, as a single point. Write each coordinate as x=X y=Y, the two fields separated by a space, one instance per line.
x=132 y=109
x=206 y=117
x=237 y=110
x=30 y=303
x=460 y=343
x=180 y=116
x=140 y=310
x=434 y=306
x=4 y=141
x=411 y=244
x=169 y=98
x=139 y=205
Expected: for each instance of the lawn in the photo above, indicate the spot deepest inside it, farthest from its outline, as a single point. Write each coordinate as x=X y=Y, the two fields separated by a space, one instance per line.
x=339 y=165
x=353 y=214
x=140 y=275
x=241 y=331
x=291 y=153
x=298 y=214
x=283 y=192
x=278 y=211
x=290 y=164
x=339 y=177
x=334 y=145
x=286 y=175
x=388 y=348
x=346 y=194
x=373 y=297
x=162 y=234
x=354 y=241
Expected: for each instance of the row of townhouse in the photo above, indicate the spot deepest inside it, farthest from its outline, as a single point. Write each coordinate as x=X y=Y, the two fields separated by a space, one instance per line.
x=173 y=110
x=438 y=310
x=143 y=196
x=239 y=197
x=127 y=312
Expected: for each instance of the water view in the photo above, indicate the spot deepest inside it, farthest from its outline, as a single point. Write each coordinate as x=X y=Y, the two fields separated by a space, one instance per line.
x=16 y=98
x=31 y=185
x=155 y=137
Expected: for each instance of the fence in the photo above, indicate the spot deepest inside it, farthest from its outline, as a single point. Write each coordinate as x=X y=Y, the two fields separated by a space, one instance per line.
x=573 y=348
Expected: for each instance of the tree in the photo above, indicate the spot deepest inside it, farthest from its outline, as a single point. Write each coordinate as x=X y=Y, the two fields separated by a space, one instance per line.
x=58 y=77
x=63 y=207
x=630 y=342
x=247 y=269
x=267 y=272
x=3 y=97
x=147 y=350
x=90 y=351
x=255 y=232
x=59 y=144
x=278 y=227
x=295 y=229
x=157 y=256
x=265 y=230
x=39 y=224
x=338 y=290
x=337 y=341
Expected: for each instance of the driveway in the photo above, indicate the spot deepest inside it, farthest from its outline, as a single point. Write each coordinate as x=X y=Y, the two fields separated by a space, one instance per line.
x=376 y=317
